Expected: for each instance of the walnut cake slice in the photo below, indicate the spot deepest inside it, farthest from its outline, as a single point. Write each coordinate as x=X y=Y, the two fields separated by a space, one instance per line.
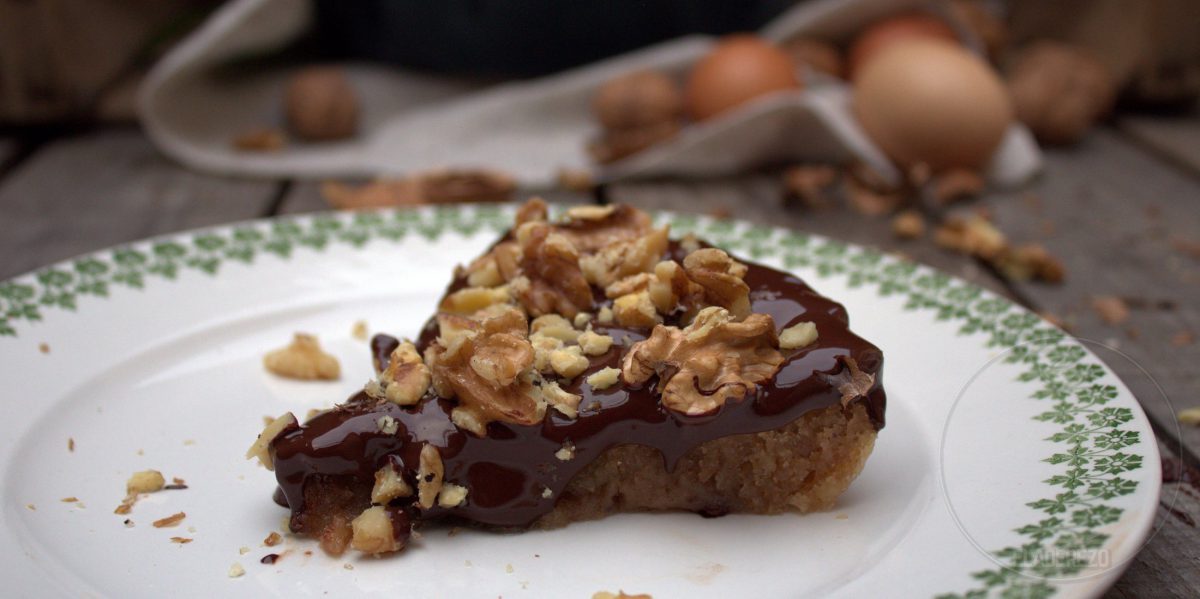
x=582 y=367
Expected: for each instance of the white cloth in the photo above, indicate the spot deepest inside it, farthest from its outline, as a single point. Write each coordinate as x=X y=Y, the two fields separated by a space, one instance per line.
x=530 y=129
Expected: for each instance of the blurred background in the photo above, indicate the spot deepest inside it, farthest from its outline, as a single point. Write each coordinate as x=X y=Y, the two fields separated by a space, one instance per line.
x=1046 y=151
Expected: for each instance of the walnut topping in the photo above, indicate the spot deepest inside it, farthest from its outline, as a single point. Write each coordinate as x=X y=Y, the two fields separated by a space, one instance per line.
x=798 y=335
x=496 y=267
x=568 y=362
x=485 y=366
x=605 y=315
x=452 y=495
x=429 y=476
x=671 y=288
x=551 y=281
x=604 y=378
x=261 y=447
x=635 y=310
x=590 y=234
x=387 y=425
x=303 y=360
x=624 y=258
x=473 y=299
x=543 y=347
x=852 y=382
x=712 y=360
x=532 y=210
x=582 y=319
x=594 y=344
x=373 y=532
x=553 y=325
x=406 y=378
x=720 y=277
x=590 y=212
x=389 y=485
x=558 y=398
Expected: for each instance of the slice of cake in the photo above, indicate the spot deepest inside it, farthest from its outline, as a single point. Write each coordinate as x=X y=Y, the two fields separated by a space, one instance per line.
x=583 y=367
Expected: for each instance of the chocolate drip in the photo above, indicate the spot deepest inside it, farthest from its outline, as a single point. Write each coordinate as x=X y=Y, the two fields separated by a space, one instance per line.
x=508 y=471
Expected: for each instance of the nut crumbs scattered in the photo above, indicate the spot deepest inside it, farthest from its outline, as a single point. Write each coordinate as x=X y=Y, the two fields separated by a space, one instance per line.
x=169 y=521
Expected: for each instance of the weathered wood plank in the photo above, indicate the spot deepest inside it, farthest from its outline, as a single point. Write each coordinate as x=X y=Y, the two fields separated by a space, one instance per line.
x=759 y=199
x=1174 y=138
x=1168 y=565
x=1120 y=220
x=85 y=193
x=305 y=196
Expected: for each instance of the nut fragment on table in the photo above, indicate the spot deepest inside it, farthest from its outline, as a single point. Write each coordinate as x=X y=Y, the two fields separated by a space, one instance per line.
x=303 y=359
x=908 y=224
x=810 y=184
x=956 y=185
x=1111 y=309
x=372 y=532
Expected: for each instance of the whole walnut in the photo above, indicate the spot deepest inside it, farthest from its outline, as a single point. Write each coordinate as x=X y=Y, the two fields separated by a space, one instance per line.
x=321 y=105
x=818 y=55
x=1059 y=90
x=637 y=100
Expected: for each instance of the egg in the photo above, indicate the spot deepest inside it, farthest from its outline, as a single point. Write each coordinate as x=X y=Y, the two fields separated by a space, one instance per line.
x=932 y=102
x=882 y=34
x=739 y=69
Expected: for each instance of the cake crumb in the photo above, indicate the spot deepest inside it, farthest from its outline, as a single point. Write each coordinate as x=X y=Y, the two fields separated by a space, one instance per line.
x=908 y=224
x=189 y=442
x=1111 y=309
x=181 y=540
x=842 y=516
x=44 y=348
x=348 y=566
x=359 y=331
x=31 y=507
x=272 y=539
x=619 y=595
x=243 y=550
x=467 y=564
x=69 y=500
x=169 y=521
x=236 y=570
x=192 y=529
x=508 y=568
x=71 y=444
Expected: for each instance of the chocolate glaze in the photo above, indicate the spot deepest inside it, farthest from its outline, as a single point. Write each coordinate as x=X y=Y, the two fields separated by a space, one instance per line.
x=507 y=471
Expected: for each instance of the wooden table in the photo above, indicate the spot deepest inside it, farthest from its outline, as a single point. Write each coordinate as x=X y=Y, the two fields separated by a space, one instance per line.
x=1120 y=210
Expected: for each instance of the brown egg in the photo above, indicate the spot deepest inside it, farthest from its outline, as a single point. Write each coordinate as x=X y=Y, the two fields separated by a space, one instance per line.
x=882 y=34
x=932 y=102
x=739 y=69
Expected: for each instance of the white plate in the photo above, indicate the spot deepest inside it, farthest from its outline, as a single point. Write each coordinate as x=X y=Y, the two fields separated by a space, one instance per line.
x=1012 y=460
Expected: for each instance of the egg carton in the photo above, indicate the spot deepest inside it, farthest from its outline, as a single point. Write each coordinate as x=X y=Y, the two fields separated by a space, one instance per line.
x=532 y=129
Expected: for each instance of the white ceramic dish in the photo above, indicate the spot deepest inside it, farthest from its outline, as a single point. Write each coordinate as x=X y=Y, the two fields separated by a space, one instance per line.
x=1001 y=433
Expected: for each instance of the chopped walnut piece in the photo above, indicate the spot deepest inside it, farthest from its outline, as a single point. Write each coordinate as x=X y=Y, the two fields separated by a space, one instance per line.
x=625 y=258
x=1189 y=416
x=568 y=362
x=590 y=212
x=236 y=571
x=170 y=521
x=635 y=310
x=272 y=539
x=605 y=315
x=582 y=319
x=558 y=398
x=1111 y=309
x=720 y=277
x=261 y=447
x=566 y=453
x=473 y=299
x=303 y=360
x=387 y=425
x=452 y=495
x=429 y=476
x=908 y=224
x=146 y=481
x=712 y=360
x=604 y=378
x=554 y=325
x=671 y=288
x=631 y=284
x=810 y=183
x=406 y=378
x=619 y=595
x=593 y=343
x=389 y=485
x=543 y=347
x=534 y=209
x=483 y=367
x=373 y=532
x=551 y=280
x=975 y=236
x=799 y=335
x=590 y=235
x=956 y=185
x=500 y=265
x=852 y=382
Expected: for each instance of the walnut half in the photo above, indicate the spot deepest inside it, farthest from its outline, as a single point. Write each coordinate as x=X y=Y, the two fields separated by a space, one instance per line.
x=712 y=360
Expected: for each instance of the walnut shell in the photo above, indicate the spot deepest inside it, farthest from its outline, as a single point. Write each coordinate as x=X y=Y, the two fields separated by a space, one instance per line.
x=321 y=105
x=1060 y=90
